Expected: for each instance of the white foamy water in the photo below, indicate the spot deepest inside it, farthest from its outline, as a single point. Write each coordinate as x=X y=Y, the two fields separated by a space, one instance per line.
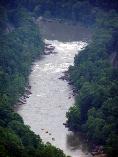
x=45 y=110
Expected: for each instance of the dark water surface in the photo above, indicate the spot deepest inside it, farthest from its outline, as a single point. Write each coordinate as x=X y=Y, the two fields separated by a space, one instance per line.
x=45 y=110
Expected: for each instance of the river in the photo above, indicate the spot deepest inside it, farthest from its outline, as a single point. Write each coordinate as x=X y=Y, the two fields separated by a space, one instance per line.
x=45 y=109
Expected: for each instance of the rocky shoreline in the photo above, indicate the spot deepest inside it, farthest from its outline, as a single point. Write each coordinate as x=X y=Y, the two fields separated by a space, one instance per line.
x=49 y=49
x=27 y=93
x=65 y=77
x=96 y=151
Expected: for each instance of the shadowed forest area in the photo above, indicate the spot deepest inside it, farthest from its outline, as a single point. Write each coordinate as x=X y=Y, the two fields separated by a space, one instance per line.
x=94 y=74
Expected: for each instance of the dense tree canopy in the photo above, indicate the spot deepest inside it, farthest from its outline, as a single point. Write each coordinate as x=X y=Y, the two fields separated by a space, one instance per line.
x=20 y=44
x=94 y=74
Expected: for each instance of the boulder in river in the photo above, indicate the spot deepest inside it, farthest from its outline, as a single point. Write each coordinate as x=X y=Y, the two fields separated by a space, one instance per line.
x=49 y=49
x=53 y=139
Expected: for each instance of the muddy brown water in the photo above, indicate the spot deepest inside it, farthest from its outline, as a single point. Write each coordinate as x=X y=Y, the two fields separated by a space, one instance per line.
x=45 y=109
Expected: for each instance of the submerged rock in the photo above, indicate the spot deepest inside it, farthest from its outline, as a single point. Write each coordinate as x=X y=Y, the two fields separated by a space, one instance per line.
x=53 y=139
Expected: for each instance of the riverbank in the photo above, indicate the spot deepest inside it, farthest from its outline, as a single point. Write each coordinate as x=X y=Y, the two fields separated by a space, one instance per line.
x=49 y=101
x=49 y=50
x=96 y=150
x=18 y=50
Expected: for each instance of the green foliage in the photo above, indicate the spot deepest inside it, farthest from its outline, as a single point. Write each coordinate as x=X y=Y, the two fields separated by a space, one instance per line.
x=19 y=47
x=73 y=118
x=94 y=75
x=51 y=151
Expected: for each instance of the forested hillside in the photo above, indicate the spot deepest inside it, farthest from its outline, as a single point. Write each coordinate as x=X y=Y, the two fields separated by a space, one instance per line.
x=94 y=74
x=77 y=10
x=95 y=77
x=20 y=45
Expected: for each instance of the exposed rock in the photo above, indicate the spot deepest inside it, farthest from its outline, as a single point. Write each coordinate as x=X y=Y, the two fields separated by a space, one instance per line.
x=98 y=152
x=47 y=45
x=49 y=49
x=27 y=93
x=69 y=97
x=66 y=125
x=53 y=139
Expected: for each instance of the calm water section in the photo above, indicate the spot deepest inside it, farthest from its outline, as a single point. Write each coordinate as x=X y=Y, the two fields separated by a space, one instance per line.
x=45 y=109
